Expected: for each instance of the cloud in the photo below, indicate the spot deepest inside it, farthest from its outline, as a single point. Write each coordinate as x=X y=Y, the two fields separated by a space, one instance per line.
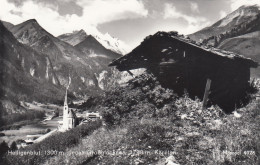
x=94 y=13
x=171 y=12
x=194 y=22
x=102 y=11
x=194 y=7
x=235 y=4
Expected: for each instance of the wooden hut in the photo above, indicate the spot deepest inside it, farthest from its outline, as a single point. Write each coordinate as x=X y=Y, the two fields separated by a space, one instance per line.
x=180 y=63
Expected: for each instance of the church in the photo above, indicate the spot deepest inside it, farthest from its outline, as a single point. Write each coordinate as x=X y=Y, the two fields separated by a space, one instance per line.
x=69 y=117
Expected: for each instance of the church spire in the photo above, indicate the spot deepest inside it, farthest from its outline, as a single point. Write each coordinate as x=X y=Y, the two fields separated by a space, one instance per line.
x=66 y=95
x=66 y=98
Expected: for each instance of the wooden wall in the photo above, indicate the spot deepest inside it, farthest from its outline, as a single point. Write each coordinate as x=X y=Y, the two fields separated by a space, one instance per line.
x=189 y=68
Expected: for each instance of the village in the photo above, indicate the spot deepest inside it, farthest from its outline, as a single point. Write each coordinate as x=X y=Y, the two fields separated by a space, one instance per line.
x=53 y=122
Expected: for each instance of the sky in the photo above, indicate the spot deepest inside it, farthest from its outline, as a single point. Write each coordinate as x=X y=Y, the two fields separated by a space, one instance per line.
x=128 y=20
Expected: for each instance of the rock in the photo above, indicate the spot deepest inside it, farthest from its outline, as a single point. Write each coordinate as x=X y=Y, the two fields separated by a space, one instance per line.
x=170 y=161
x=236 y=114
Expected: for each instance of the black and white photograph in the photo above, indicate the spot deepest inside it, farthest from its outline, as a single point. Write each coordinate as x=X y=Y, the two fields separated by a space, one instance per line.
x=129 y=82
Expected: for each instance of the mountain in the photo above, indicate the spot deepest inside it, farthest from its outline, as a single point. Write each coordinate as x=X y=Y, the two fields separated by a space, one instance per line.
x=86 y=62
x=73 y=38
x=243 y=20
x=112 y=43
x=237 y=32
x=8 y=25
x=67 y=60
x=106 y=40
x=26 y=75
x=91 y=46
x=102 y=56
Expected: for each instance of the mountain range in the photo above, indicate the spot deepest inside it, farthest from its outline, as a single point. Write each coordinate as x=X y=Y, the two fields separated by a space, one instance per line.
x=237 y=32
x=106 y=40
x=47 y=63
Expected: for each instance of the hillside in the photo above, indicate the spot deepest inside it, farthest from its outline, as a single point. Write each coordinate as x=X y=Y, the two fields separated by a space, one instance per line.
x=241 y=21
x=25 y=74
x=237 y=32
x=248 y=45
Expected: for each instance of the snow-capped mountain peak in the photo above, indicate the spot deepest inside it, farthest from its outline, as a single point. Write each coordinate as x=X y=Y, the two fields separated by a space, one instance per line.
x=112 y=43
x=106 y=40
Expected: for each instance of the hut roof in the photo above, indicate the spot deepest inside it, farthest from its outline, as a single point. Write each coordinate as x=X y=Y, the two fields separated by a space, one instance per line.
x=173 y=36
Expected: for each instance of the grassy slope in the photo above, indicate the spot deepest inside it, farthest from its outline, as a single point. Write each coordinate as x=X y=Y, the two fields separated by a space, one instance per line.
x=191 y=135
x=248 y=45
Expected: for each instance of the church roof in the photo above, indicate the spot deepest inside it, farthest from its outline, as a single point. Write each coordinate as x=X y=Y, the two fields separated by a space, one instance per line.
x=72 y=114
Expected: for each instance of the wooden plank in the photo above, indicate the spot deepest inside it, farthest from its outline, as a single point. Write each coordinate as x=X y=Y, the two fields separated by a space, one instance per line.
x=130 y=73
x=206 y=94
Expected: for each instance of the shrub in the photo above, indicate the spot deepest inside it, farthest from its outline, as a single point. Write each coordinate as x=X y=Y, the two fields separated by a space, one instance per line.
x=13 y=146
x=3 y=149
x=142 y=97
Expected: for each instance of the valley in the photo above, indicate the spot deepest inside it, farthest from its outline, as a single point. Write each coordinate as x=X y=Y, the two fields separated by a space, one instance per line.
x=38 y=126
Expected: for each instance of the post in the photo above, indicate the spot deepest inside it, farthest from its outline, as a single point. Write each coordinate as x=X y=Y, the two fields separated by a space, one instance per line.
x=130 y=73
x=206 y=94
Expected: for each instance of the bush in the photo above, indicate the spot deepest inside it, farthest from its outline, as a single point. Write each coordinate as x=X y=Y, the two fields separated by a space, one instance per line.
x=142 y=97
x=13 y=146
x=3 y=149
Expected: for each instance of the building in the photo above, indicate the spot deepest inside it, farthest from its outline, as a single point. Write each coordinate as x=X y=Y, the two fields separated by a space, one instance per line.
x=182 y=64
x=91 y=116
x=69 y=117
x=30 y=139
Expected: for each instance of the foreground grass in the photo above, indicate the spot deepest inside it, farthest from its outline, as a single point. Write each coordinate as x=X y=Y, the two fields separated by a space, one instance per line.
x=147 y=124
x=224 y=141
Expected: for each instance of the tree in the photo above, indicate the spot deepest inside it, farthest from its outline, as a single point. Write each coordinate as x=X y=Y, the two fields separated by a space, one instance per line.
x=13 y=146
x=3 y=149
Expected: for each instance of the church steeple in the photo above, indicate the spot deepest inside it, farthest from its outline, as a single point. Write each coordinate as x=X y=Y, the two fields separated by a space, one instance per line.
x=65 y=108
x=66 y=100
x=69 y=117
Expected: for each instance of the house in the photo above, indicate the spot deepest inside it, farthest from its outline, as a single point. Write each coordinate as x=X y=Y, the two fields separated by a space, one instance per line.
x=30 y=139
x=91 y=116
x=182 y=64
